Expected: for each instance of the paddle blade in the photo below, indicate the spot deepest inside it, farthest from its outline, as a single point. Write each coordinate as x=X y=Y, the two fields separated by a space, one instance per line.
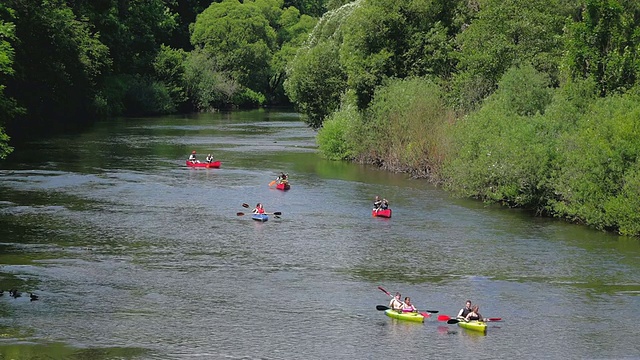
x=271 y=183
x=433 y=311
x=381 y=307
x=493 y=319
x=453 y=321
x=443 y=317
x=384 y=291
x=245 y=205
x=239 y=213
x=277 y=213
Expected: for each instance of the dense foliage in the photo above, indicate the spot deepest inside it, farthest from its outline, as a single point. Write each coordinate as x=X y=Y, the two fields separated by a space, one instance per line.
x=64 y=63
x=527 y=103
x=531 y=104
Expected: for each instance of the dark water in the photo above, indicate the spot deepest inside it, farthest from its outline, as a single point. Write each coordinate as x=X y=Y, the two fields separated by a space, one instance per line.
x=135 y=256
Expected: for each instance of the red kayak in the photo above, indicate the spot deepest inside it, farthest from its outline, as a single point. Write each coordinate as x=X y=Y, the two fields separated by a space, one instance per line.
x=283 y=186
x=214 y=164
x=386 y=213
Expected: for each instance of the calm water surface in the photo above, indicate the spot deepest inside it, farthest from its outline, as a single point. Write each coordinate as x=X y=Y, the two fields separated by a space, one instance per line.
x=136 y=256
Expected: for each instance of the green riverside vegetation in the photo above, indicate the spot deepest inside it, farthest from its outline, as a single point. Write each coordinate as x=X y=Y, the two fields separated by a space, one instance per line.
x=528 y=103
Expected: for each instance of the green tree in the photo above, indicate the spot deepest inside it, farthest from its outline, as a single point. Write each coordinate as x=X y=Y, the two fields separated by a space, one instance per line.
x=604 y=43
x=133 y=30
x=597 y=166
x=386 y=38
x=8 y=107
x=504 y=33
x=502 y=151
x=57 y=61
x=316 y=81
x=169 y=69
x=239 y=39
x=375 y=40
x=293 y=31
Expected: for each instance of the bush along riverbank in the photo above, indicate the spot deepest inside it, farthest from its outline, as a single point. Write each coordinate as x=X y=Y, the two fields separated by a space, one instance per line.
x=562 y=152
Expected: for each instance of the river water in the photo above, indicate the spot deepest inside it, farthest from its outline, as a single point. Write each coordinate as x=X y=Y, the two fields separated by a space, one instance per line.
x=136 y=256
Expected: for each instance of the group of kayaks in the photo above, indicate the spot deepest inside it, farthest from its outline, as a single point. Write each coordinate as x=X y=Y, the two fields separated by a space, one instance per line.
x=419 y=316
x=473 y=325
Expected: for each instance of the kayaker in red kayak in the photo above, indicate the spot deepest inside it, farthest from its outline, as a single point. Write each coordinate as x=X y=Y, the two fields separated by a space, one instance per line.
x=465 y=310
x=259 y=209
x=408 y=307
x=192 y=157
x=380 y=204
x=282 y=178
x=396 y=303
x=209 y=158
x=385 y=204
x=377 y=203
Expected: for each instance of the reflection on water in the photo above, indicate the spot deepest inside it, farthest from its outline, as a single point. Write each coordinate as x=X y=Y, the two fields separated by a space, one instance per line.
x=134 y=255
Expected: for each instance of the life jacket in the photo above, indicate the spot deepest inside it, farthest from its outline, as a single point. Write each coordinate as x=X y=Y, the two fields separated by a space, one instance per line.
x=465 y=312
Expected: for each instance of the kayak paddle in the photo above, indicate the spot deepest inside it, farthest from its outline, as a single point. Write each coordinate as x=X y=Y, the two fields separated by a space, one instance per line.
x=455 y=321
x=447 y=317
x=383 y=308
x=273 y=213
x=271 y=183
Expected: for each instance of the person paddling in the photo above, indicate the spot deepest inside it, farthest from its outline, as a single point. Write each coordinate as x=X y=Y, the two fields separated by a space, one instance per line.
x=192 y=157
x=259 y=209
x=396 y=303
x=209 y=158
x=282 y=178
x=465 y=310
x=377 y=203
x=384 y=205
x=474 y=314
x=407 y=306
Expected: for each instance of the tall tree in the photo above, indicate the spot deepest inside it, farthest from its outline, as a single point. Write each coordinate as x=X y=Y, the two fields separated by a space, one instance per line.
x=8 y=107
x=504 y=33
x=604 y=43
x=57 y=60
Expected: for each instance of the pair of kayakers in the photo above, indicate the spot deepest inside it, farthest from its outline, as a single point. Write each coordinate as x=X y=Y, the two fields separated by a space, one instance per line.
x=380 y=204
x=470 y=312
x=282 y=178
x=193 y=159
x=404 y=306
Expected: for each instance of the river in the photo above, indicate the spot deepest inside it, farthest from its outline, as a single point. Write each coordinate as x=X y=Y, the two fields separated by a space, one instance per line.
x=135 y=256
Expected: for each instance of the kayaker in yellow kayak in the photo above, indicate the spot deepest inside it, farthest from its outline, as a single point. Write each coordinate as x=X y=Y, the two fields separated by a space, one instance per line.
x=474 y=314
x=396 y=303
x=407 y=306
x=465 y=310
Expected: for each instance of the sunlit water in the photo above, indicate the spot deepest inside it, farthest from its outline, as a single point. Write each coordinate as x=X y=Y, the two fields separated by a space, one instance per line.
x=136 y=256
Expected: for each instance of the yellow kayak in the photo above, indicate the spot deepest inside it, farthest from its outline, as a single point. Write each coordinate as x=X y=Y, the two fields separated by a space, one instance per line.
x=409 y=316
x=474 y=325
